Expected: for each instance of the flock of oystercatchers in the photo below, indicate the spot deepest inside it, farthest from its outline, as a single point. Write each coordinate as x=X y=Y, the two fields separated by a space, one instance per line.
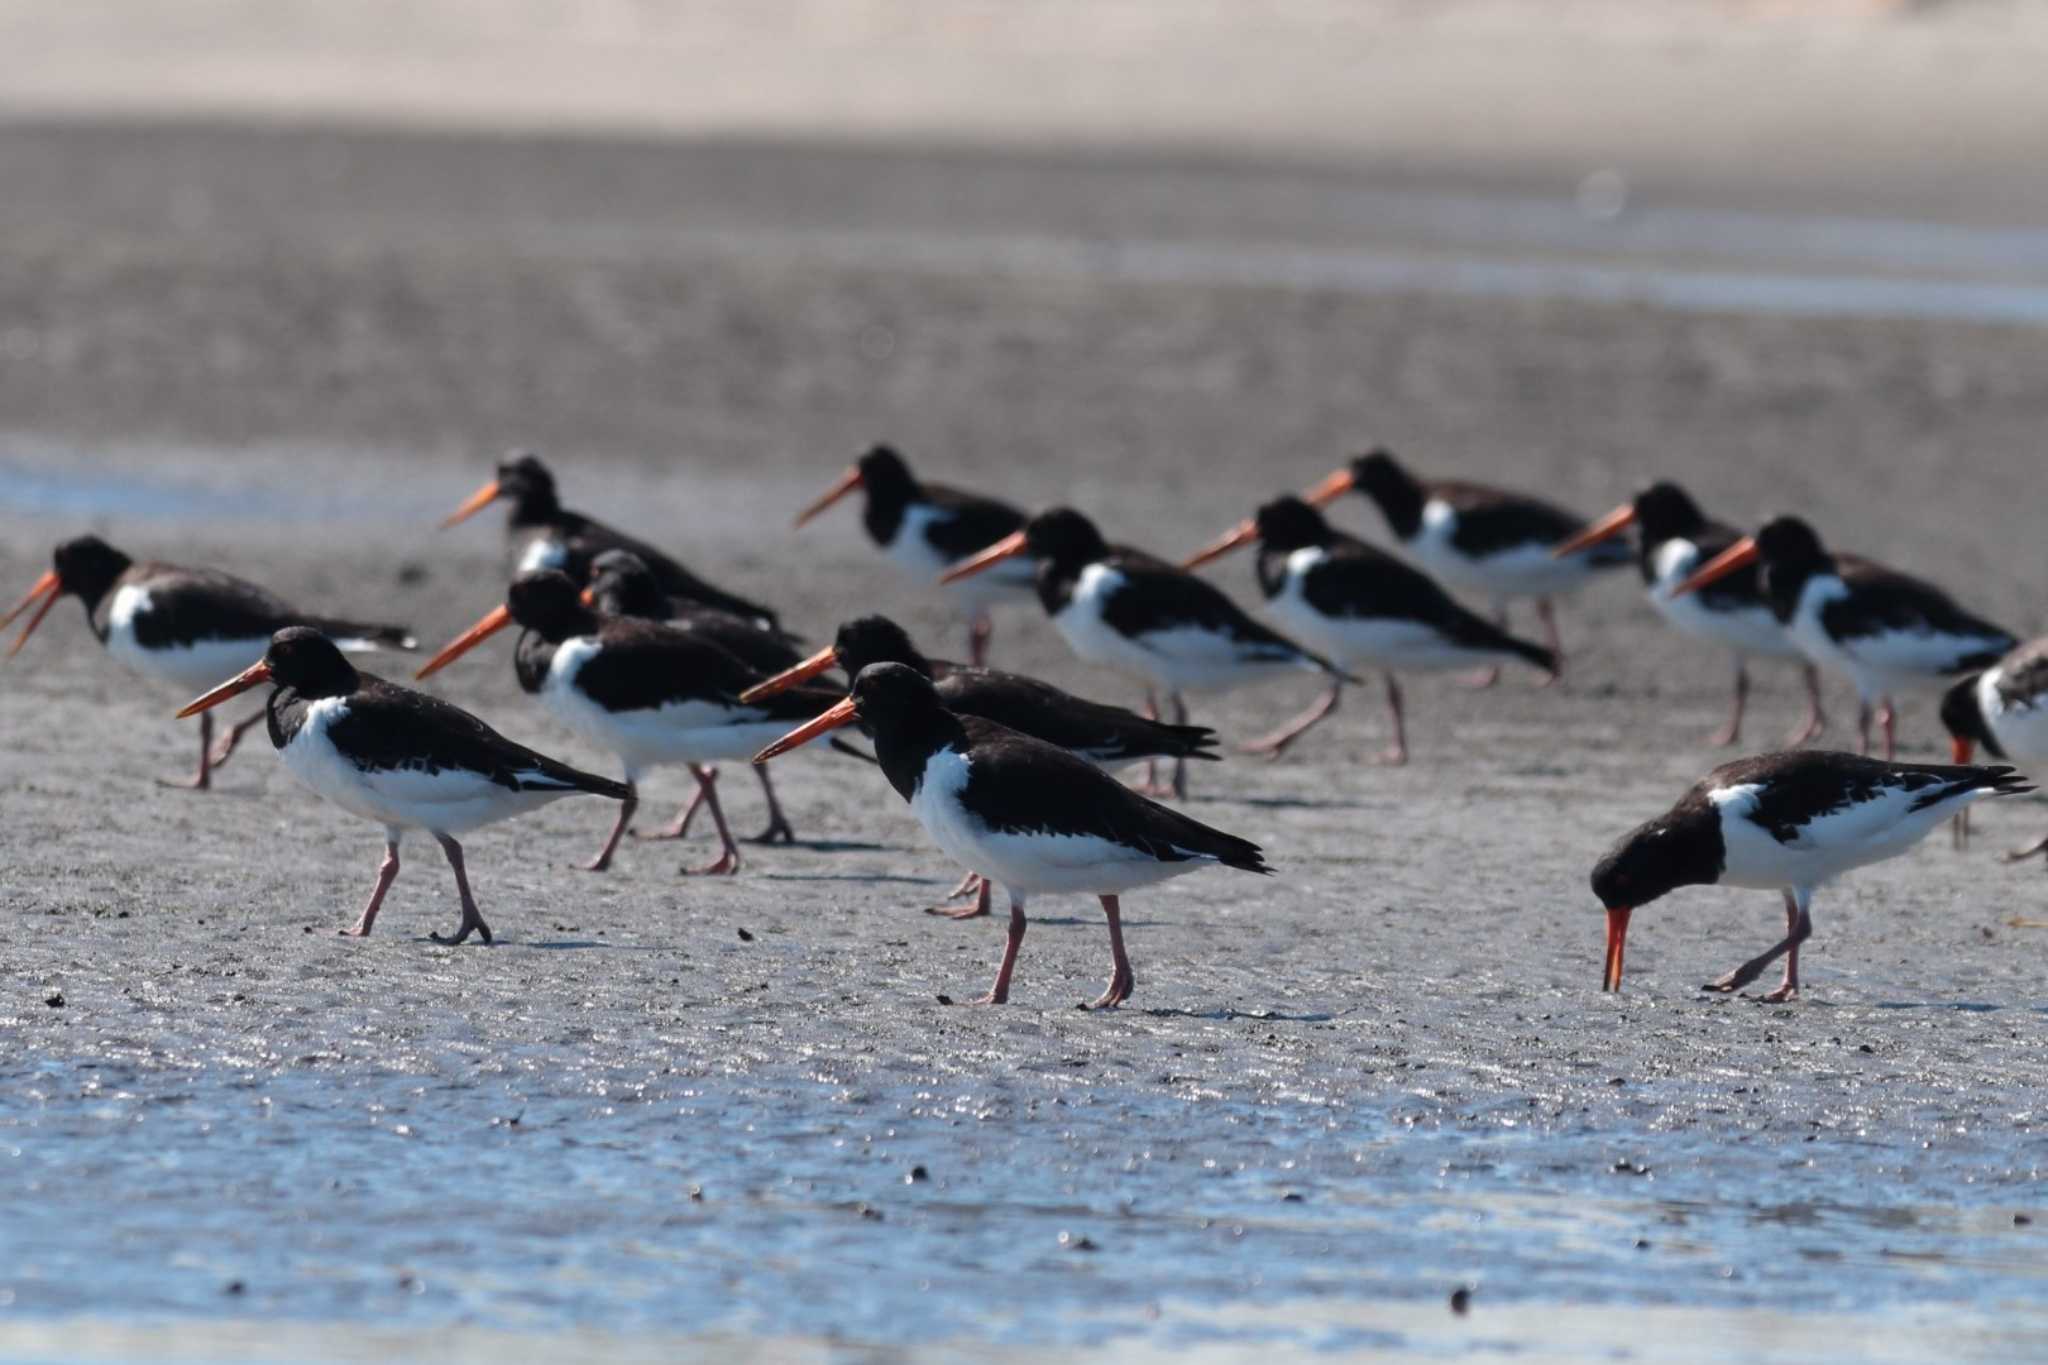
x=1011 y=776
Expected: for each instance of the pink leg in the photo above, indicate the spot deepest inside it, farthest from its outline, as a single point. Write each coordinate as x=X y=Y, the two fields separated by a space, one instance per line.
x=1276 y=743
x=1816 y=721
x=203 y=779
x=234 y=736
x=1180 y=765
x=1121 y=979
x=1798 y=927
x=728 y=860
x=1732 y=732
x=387 y=873
x=1151 y=786
x=603 y=859
x=1547 y=614
x=1487 y=677
x=779 y=830
x=999 y=994
x=472 y=921
x=1887 y=721
x=1788 y=985
x=1862 y=727
x=1395 y=753
x=681 y=825
x=974 y=911
x=2020 y=855
x=978 y=632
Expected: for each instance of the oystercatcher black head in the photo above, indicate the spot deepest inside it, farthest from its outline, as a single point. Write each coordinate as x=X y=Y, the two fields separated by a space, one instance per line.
x=297 y=657
x=1382 y=478
x=544 y=601
x=869 y=640
x=621 y=584
x=1681 y=848
x=1790 y=551
x=890 y=486
x=1288 y=523
x=523 y=481
x=1962 y=715
x=85 y=568
x=1664 y=510
x=1061 y=539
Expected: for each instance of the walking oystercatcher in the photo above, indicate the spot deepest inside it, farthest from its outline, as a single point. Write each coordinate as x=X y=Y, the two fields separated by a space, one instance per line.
x=1887 y=632
x=396 y=756
x=1126 y=610
x=2005 y=709
x=547 y=535
x=1026 y=813
x=188 y=627
x=1788 y=821
x=1363 y=608
x=1674 y=538
x=926 y=528
x=648 y=692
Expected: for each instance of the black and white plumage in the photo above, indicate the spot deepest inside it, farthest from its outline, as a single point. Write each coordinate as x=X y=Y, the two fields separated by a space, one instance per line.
x=2005 y=709
x=1674 y=538
x=399 y=757
x=1365 y=609
x=1129 y=611
x=547 y=535
x=1788 y=821
x=1026 y=813
x=647 y=692
x=926 y=528
x=1886 y=631
x=621 y=584
x=186 y=627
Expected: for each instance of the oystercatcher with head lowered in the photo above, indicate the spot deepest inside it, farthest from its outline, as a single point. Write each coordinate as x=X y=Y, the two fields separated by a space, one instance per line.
x=1673 y=539
x=1026 y=813
x=547 y=535
x=396 y=756
x=2005 y=709
x=1787 y=821
x=925 y=528
x=648 y=692
x=1363 y=608
x=188 y=627
x=1126 y=610
x=1887 y=632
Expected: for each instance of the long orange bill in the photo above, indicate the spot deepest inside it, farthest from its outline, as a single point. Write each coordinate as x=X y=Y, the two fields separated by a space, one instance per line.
x=478 y=501
x=1607 y=528
x=848 y=481
x=49 y=588
x=828 y=657
x=255 y=675
x=494 y=620
x=1244 y=533
x=841 y=714
x=1617 y=935
x=1330 y=489
x=1009 y=547
x=1740 y=555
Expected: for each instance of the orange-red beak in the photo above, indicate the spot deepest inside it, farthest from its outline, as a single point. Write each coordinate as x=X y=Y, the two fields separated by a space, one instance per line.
x=1244 y=533
x=1962 y=751
x=494 y=620
x=841 y=714
x=1009 y=547
x=1617 y=936
x=828 y=657
x=1330 y=489
x=478 y=501
x=848 y=481
x=255 y=675
x=49 y=588
x=588 y=597
x=1607 y=528
x=1740 y=555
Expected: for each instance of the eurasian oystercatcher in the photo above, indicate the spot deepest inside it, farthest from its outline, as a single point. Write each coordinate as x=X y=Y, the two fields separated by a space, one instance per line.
x=1787 y=821
x=1107 y=736
x=396 y=756
x=925 y=528
x=547 y=535
x=1029 y=814
x=648 y=692
x=186 y=626
x=1885 y=631
x=2005 y=709
x=1126 y=610
x=1674 y=538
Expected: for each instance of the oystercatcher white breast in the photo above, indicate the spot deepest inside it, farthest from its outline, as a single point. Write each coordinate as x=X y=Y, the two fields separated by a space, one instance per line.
x=1026 y=813
x=1674 y=538
x=1789 y=821
x=647 y=692
x=1128 y=611
x=2005 y=709
x=926 y=528
x=399 y=757
x=1886 y=632
x=547 y=535
x=185 y=627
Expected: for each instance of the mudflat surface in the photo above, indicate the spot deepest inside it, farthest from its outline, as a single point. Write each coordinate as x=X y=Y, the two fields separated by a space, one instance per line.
x=632 y=1127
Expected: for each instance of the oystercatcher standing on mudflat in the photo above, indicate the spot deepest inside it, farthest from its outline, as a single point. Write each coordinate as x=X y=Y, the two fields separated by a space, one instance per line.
x=188 y=627
x=1026 y=813
x=1786 y=821
x=396 y=756
x=2004 y=708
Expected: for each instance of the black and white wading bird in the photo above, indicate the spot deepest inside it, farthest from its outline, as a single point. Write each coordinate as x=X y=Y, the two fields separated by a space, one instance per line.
x=1788 y=821
x=1363 y=608
x=2005 y=709
x=1673 y=538
x=399 y=757
x=1025 y=813
x=1886 y=632
x=1128 y=611
x=621 y=584
x=547 y=535
x=1107 y=736
x=1473 y=538
x=926 y=528
x=187 y=627
x=648 y=692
